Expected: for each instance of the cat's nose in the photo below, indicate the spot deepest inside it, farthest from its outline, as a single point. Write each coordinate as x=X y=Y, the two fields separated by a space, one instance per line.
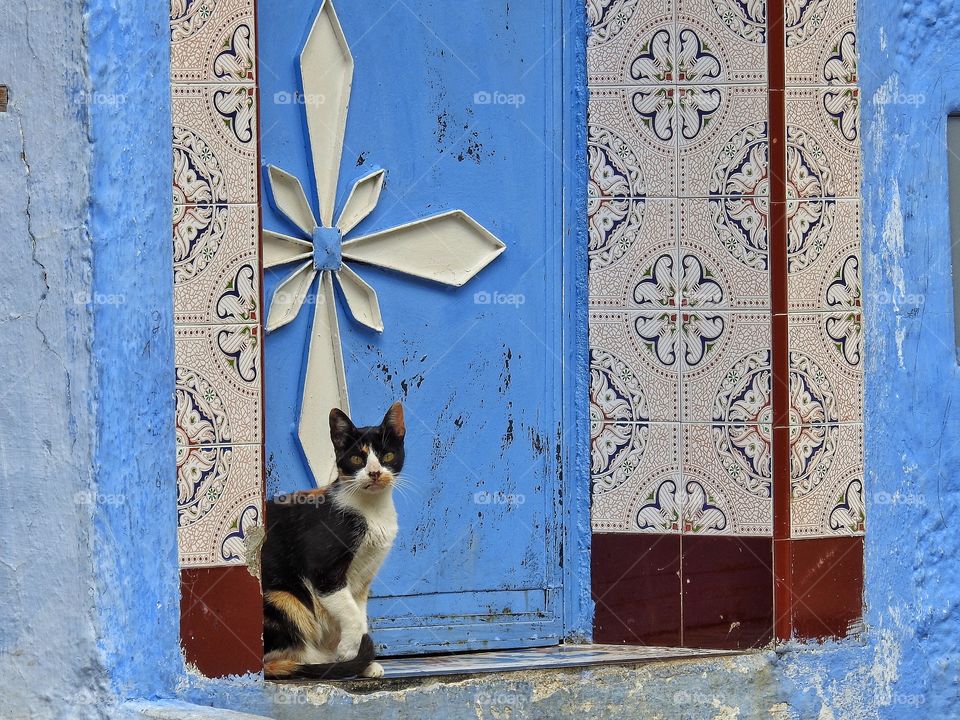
x=374 y=474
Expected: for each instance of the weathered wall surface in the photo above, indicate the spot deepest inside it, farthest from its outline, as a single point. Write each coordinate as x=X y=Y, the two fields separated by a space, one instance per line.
x=48 y=657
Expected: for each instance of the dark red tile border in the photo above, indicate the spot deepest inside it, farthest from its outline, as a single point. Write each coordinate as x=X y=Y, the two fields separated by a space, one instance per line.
x=827 y=586
x=636 y=589
x=221 y=620
x=727 y=592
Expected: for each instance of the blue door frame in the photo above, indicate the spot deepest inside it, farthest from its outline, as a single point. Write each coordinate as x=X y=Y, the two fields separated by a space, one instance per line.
x=471 y=110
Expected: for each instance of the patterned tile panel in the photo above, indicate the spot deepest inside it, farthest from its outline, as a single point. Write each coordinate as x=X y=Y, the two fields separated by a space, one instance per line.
x=218 y=384
x=723 y=253
x=633 y=254
x=212 y=41
x=727 y=478
x=823 y=142
x=821 y=42
x=216 y=272
x=635 y=366
x=631 y=42
x=722 y=136
x=826 y=480
x=725 y=376
x=636 y=477
x=721 y=41
x=215 y=155
x=219 y=503
x=632 y=141
x=823 y=246
x=826 y=367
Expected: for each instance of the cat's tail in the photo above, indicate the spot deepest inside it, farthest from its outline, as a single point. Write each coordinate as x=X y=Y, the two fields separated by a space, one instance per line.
x=290 y=670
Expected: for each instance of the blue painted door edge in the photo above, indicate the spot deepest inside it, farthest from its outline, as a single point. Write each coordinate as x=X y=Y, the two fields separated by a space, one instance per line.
x=573 y=441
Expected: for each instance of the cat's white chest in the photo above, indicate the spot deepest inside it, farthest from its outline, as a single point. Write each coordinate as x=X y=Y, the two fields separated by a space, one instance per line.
x=381 y=522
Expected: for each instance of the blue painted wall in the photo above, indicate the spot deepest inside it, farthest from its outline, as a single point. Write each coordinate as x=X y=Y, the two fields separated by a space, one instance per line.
x=88 y=592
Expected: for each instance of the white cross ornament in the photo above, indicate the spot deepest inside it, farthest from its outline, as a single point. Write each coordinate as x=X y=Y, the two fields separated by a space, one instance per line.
x=449 y=248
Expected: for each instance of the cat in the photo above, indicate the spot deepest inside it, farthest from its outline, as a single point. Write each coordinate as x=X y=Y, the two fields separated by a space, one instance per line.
x=322 y=551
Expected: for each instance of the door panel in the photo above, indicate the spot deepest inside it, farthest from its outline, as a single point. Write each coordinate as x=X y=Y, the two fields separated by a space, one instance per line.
x=462 y=108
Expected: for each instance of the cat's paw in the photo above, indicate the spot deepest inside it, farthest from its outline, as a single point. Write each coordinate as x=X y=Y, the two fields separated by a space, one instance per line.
x=373 y=670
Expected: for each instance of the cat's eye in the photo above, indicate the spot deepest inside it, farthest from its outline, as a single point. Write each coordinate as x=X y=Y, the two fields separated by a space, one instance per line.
x=356 y=460
x=387 y=457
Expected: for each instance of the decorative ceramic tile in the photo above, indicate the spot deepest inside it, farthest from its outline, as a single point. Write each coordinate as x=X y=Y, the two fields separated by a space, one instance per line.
x=726 y=367
x=821 y=42
x=635 y=474
x=723 y=254
x=216 y=275
x=633 y=251
x=722 y=136
x=217 y=384
x=826 y=367
x=212 y=41
x=634 y=366
x=823 y=142
x=219 y=502
x=826 y=480
x=215 y=156
x=630 y=41
x=721 y=41
x=727 y=479
x=632 y=144
x=823 y=245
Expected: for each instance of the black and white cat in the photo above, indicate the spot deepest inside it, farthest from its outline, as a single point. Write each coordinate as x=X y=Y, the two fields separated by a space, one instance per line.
x=322 y=551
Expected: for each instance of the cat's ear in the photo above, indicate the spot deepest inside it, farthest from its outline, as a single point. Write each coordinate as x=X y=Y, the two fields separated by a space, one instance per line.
x=341 y=427
x=394 y=420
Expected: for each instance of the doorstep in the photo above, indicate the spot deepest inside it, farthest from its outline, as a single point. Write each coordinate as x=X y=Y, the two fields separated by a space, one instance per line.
x=498 y=661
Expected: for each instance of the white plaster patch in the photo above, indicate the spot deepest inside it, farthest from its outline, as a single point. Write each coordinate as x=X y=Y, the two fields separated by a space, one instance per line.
x=892 y=255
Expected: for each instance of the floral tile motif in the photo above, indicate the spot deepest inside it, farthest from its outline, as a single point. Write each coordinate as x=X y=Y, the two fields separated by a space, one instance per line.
x=721 y=41
x=826 y=367
x=826 y=480
x=219 y=503
x=727 y=479
x=632 y=253
x=212 y=41
x=217 y=384
x=723 y=254
x=632 y=144
x=823 y=142
x=216 y=275
x=722 y=140
x=630 y=42
x=725 y=376
x=823 y=246
x=821 y=42
x=635 y=474
x=215 y=156
x=634 y=366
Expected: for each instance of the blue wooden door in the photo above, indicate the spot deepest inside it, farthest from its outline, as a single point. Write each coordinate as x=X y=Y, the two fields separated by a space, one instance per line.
x=460 y=103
